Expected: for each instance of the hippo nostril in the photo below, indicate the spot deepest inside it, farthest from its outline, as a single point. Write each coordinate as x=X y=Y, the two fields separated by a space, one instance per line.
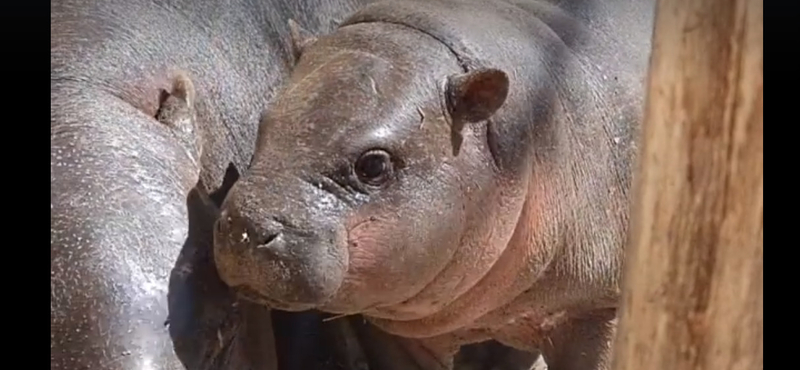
x=243 y=232
x=269 y=240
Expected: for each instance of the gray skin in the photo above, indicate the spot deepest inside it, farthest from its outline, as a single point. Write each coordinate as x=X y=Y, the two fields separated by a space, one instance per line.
x=154 y=111
x=212 y=329
x=149 y=100
x=455 y=171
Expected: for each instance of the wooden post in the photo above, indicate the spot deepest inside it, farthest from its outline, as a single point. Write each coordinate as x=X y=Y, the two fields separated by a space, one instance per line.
x=693 y=296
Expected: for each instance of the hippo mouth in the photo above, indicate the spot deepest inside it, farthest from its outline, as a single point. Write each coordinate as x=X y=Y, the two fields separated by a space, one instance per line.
x=279 y=267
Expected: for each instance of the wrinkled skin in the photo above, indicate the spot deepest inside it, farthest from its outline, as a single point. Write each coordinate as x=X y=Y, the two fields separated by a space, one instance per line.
x=150 y=105
x=150 y=99
x=455 y=171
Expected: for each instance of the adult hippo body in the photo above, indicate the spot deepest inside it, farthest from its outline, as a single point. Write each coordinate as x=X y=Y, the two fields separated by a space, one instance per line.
x=471 y=181
x=150 y=99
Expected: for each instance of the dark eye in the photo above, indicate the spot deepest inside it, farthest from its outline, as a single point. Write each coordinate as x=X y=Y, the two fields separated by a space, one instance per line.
x=374 y=167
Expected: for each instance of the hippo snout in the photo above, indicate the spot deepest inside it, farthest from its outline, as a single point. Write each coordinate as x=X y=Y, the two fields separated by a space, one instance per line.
x=263 y=239
x=292 y=261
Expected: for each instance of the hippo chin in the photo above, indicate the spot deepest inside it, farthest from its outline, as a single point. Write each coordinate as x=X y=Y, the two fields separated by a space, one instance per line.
x=455 y=171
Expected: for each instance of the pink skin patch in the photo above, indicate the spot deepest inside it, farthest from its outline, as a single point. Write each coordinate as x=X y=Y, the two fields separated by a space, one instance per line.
x=375 y=276
x=364 y=244
x=482 y=245
x=518 y=267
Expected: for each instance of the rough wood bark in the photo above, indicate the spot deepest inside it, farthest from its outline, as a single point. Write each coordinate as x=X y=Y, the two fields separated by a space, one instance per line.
x=693 y=296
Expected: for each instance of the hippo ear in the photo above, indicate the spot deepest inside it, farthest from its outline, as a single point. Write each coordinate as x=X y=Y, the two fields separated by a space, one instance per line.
x=475 y=96
x=177 y=106
x=300 y=39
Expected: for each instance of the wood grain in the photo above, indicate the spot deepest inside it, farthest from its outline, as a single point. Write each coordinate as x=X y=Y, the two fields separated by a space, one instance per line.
x=693 y=294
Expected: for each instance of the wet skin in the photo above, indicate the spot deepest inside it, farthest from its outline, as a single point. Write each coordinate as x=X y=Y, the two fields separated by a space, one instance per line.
x=455 y=171
x=149 y=100
x=154 y=113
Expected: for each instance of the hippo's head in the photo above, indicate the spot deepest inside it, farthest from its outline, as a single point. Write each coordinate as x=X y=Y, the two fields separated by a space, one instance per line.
x=373 y=168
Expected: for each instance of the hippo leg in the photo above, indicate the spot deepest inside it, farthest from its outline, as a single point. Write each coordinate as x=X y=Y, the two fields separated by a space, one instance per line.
x=582 y=343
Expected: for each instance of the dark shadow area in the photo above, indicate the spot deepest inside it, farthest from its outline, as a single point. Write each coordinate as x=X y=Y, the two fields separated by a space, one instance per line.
x=491 y=355
x=298 y=341
x=204 y=317
x=231 y=176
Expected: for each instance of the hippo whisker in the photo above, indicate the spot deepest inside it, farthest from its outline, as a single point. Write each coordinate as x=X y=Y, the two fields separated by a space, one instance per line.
x=373 y=85
x=331 y=318
x=421 y=117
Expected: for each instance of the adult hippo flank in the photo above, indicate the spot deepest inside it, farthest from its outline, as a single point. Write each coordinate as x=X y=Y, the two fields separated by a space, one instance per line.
x=150 y=99
x=455 y=171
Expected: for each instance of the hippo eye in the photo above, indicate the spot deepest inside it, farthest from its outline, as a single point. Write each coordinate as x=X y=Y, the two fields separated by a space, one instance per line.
x=374 y=167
